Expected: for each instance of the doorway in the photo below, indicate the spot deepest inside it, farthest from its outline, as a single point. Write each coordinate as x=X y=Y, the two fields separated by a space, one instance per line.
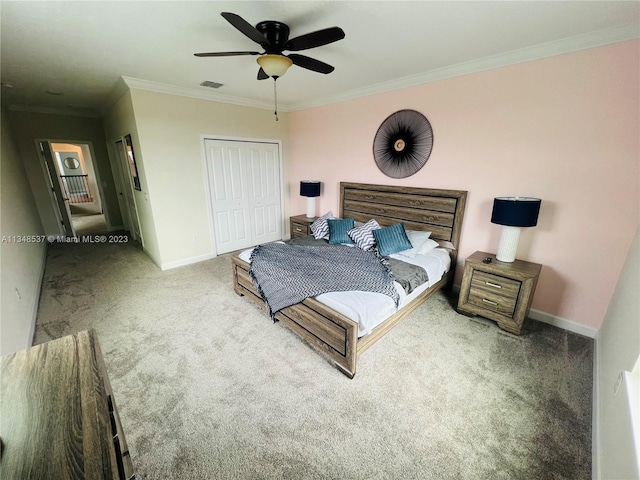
x=245 y=191
x=74 y=186
x=79 y=183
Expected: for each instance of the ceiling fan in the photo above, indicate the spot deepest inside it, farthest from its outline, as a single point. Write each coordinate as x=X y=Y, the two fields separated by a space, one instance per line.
x=273 y=37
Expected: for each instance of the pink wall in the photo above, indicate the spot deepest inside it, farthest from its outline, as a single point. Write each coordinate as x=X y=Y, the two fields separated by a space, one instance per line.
x=564 y=129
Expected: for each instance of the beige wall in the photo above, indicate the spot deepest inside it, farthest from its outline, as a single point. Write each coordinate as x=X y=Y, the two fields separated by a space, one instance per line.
x=170 y=151
x=618 y=350
x=118 y=122
x=29 y=126
x=21 y=264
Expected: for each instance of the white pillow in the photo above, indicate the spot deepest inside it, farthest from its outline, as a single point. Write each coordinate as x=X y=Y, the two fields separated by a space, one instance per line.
x=417 y=240
x=320 y=228
x=427 y=246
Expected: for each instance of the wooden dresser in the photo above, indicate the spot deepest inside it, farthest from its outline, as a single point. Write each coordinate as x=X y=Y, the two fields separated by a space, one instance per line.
x=497 y=290
x=59 y=418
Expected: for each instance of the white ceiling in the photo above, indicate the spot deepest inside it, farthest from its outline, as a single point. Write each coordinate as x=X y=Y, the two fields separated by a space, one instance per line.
x=81 y=50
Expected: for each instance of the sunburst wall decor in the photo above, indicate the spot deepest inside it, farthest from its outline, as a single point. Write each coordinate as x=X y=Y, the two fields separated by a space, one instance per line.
x=403 y=143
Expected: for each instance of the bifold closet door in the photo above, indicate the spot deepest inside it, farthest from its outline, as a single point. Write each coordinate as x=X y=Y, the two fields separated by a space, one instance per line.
x=245 y=193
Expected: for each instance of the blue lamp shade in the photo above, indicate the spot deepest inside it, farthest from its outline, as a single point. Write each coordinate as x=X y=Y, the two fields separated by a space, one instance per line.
x=309 y=188
x=516 y=211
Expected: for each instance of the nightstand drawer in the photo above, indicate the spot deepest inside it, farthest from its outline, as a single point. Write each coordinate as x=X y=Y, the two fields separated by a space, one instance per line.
x=299 y=230
x=491 y=301
x=300 y=225
x=493 y=292
x=495 y=285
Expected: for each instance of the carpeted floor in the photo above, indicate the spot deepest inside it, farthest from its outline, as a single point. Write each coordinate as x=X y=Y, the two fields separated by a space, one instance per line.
x=88 y=224
x=209 y=388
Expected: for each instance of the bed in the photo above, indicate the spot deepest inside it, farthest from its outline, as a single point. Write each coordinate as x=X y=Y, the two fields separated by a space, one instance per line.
x=420 y=209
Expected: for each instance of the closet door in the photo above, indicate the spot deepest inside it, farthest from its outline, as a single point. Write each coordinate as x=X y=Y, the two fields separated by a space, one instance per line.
x=264 y=193
x=245 y=192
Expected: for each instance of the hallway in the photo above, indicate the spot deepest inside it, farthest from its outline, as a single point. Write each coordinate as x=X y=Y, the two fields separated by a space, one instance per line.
x=89 y=224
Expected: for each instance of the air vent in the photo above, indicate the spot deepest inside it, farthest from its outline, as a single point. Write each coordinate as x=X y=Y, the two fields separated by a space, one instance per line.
x=210 y=84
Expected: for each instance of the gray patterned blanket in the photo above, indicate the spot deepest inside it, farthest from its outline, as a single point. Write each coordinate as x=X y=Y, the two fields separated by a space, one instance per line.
x=287 y=274
x=406 y=274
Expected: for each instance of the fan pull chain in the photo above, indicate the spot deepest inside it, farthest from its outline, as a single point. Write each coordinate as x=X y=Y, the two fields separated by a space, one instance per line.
x=275 y=95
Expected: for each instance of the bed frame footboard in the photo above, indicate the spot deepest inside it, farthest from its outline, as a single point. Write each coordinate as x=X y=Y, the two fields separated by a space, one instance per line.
x=330 y=332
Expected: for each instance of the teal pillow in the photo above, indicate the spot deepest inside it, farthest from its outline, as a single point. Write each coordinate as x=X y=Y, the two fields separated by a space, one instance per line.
x=339 y=230
x=392 y=239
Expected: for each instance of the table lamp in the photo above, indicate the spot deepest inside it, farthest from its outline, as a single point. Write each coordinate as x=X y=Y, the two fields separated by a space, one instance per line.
x=513 y=213
x=311 y=190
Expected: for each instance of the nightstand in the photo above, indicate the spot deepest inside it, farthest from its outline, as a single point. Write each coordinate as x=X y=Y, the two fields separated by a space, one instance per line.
x=498 y=290
x=301 y=225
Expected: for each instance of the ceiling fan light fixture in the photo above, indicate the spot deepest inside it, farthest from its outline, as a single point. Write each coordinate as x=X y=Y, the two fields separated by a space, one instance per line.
x=274 y=65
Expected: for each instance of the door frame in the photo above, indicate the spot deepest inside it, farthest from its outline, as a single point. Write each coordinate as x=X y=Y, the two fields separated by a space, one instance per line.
x=96 y=171
x=51 y=184
x=205 y=176
x=116 y=171
x=126 y=182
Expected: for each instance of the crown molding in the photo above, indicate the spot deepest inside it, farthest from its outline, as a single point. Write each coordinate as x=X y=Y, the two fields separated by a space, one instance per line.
x=199 y=94
x=66 y=111
x=536 y=52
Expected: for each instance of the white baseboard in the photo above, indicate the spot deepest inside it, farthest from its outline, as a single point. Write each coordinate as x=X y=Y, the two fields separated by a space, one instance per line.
x=36 y=296
x=563 y=323
x=559 y=322
x=187 y=261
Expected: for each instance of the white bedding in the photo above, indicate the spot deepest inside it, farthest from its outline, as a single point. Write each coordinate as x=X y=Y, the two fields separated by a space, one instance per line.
x=370 y=309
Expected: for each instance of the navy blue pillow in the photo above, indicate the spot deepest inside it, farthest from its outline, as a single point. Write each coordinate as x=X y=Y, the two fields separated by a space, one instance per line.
x=392 y=239
x=338 y=230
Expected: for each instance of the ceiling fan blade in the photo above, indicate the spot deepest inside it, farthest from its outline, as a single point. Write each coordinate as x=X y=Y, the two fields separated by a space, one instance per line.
x=262 y=75
x=315 y=39
x=246 y=28
x=224 y=54
x=310 y=63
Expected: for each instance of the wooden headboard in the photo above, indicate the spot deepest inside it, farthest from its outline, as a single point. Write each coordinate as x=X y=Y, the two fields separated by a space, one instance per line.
x=438 y=211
